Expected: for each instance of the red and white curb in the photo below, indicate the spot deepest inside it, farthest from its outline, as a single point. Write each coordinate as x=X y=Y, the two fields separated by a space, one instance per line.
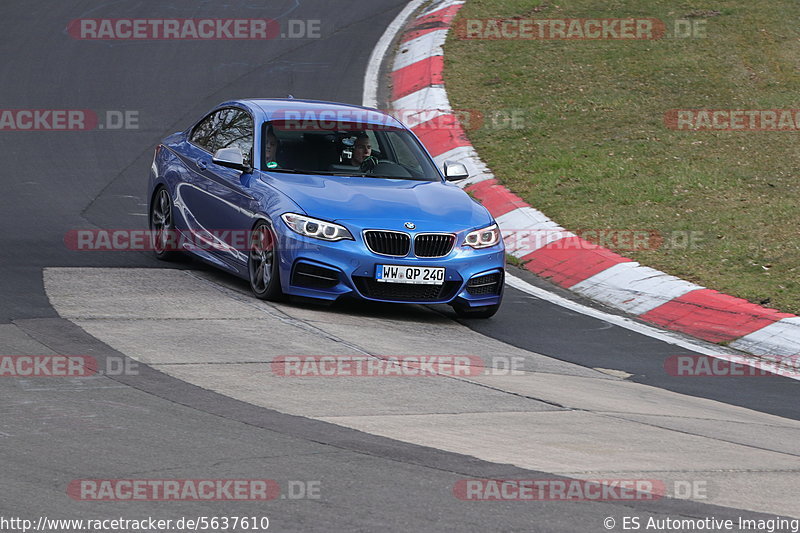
x=571 y=262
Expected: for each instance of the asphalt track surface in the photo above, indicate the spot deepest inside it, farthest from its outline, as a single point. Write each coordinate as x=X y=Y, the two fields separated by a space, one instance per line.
x=155 y=426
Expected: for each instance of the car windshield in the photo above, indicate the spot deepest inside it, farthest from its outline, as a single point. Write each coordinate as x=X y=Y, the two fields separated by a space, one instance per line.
x=344 y=149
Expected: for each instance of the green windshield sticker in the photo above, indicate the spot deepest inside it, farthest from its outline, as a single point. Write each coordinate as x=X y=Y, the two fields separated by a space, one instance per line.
x=272 y=164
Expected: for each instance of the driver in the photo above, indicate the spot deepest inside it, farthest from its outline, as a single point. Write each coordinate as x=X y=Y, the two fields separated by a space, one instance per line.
x=362 y=153
x=361 y=150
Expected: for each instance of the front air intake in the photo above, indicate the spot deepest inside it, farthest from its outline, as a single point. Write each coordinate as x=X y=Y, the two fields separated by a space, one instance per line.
x=391 y=243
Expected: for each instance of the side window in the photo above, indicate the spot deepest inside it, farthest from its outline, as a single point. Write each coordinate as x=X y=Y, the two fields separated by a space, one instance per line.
x=223 y=129
x=405 y=156
x=235 y=130
x=203 y=133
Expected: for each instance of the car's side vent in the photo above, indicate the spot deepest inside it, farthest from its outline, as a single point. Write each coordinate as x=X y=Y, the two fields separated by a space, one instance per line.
x=314 y=277
x=487 y=285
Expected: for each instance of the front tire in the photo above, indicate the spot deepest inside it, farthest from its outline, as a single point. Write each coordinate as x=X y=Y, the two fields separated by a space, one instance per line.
x=162 y=226
x=262 y=264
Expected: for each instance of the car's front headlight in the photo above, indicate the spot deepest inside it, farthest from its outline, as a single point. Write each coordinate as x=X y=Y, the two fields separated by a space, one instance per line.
x=315 y=228
x=483 y=238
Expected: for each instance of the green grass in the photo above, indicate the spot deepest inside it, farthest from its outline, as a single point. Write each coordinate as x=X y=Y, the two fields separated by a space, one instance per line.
x=594 y=151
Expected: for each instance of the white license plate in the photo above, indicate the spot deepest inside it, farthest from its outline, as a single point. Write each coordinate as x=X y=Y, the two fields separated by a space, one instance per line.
x=410 y=274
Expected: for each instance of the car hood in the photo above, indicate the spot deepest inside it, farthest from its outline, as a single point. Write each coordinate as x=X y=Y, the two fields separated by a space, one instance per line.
x=343 y=198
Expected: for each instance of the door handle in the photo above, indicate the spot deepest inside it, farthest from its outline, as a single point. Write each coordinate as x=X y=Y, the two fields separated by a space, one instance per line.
x=202 y=164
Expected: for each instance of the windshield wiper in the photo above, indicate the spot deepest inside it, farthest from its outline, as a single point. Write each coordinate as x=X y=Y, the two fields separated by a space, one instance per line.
x=411 y=178
x=314 y=172
x=285 y=170
x=333 y=173
x=341 y=173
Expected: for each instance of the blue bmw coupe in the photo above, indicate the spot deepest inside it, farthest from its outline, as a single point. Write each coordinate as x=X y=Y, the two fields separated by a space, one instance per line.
x=324 y=200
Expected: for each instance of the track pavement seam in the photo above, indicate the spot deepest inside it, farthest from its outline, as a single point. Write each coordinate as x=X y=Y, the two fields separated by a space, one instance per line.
x=684 y=432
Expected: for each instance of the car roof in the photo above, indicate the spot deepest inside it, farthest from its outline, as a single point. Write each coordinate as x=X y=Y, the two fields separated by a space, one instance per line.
x=268 y=108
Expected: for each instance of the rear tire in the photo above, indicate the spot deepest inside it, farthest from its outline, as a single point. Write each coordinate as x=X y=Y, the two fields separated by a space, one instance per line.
x=262 y=264
x=162 y=226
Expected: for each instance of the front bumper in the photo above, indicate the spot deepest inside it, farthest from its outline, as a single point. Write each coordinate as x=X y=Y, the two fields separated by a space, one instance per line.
x=331 y=270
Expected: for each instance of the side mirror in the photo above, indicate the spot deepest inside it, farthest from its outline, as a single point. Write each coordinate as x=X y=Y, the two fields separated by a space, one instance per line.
x=231 y=158
x=455 y=171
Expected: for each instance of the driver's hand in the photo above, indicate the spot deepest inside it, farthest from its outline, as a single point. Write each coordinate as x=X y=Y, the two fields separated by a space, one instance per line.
x=369 y=164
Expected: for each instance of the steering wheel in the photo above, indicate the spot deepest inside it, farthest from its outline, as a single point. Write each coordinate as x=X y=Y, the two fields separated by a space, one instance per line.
x=369 y=164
